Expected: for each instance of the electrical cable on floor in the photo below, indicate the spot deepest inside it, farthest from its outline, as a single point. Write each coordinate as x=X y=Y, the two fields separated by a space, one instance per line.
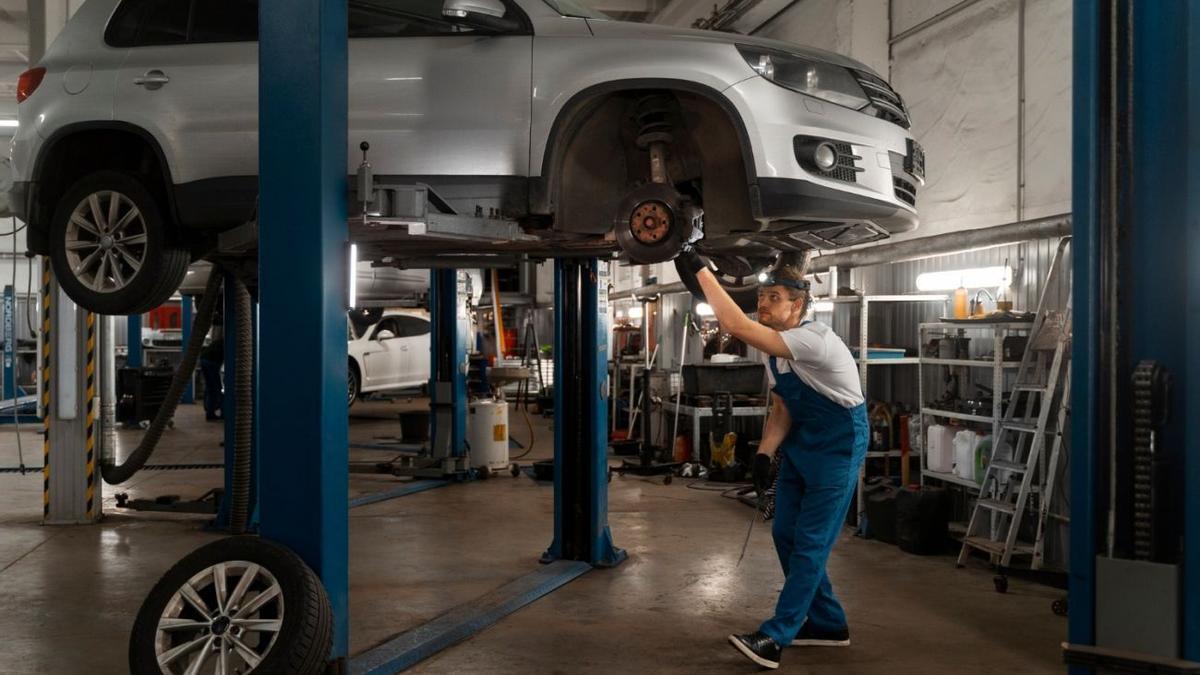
x=528 y=422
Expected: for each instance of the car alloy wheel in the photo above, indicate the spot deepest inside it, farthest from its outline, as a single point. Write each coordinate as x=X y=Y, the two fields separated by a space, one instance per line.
x=112 y=250
x=235 y=605
x=228 y=614
x=105 y=242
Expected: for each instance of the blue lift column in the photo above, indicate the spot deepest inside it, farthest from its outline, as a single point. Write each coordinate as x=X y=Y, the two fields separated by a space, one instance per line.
x=303 y=289
x=133 y=338
x=448 y=375
x=185 y=333
x=581 y=529
x=1135 y=460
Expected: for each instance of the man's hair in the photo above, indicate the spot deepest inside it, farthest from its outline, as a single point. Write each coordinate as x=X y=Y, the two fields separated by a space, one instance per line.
x=793 y=273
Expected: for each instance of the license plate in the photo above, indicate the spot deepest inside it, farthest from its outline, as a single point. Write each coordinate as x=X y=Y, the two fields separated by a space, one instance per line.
x=914 y=162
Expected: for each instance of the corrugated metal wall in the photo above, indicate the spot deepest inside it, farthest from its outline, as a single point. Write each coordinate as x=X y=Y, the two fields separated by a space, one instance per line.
x=895 y=324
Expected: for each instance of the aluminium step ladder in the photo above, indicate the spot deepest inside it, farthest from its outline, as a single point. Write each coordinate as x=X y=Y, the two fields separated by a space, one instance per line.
x=1043 y=383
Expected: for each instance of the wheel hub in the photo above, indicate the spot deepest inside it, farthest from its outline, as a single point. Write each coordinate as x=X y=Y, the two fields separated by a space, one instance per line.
x=220 y=625
x=106 y=242
x=651 y=222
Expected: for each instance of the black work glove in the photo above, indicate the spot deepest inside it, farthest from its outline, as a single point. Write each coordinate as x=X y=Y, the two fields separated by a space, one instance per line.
x=762 y=473
x=689 y=261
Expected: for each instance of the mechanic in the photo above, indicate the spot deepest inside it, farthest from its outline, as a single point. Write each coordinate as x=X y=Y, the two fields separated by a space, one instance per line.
x=818 y=421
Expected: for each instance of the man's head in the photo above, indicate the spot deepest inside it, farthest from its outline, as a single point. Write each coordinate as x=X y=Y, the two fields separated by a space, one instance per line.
x=782 y=305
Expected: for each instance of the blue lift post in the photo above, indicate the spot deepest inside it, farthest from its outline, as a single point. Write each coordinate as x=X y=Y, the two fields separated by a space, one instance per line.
x=303 y=286
x=448 y=377
x=133 y=338
x=185 y=333
x=11 y=390
x=581 y=529
x=1137 y=239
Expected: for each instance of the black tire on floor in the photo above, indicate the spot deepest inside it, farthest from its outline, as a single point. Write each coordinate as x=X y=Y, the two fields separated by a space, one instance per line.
x=161 y=261
x=305 y=633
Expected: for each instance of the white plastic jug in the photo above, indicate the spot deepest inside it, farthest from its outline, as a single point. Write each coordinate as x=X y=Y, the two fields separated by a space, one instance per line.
x=964 y=454
x=940 y=449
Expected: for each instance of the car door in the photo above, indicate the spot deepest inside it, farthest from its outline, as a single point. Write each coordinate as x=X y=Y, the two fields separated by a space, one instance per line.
x=382 y=358
x=416 y=350
x=436 y=99
x=191 y=80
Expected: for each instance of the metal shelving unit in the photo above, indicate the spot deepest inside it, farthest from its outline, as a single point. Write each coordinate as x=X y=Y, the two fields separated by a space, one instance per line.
x=865 y=362
x=999 y=367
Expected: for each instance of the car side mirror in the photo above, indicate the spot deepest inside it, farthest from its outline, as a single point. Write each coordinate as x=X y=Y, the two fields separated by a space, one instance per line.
x=487 y=15
x=385 y=335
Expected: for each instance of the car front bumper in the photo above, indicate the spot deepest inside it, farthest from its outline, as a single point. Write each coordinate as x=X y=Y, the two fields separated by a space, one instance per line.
x=775 y=117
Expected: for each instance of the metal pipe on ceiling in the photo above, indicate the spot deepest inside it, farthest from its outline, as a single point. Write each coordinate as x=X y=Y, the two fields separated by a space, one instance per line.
x=933 y=20
x=938 y=245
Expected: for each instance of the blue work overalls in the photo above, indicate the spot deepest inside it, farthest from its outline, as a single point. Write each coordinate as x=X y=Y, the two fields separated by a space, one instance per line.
x=818 y=472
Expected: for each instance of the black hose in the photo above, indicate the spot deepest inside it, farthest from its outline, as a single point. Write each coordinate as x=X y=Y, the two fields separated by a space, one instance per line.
x=243 y=421
x=115 y=474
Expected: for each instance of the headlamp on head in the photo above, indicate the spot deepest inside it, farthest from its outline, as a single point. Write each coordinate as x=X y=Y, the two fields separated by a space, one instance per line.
x=798 y=284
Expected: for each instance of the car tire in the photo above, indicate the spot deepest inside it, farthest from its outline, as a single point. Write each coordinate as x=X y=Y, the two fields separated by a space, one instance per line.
x=741 y=285
x=127 y=267
x=292 y=629
x=354 y=384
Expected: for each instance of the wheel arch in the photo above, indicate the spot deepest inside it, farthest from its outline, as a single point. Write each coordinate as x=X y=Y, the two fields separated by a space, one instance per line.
x=545 y=191
x=546 y=195
x=54 y=171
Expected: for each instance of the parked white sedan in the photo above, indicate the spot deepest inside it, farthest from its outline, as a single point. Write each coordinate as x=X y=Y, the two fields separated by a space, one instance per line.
x=391 y=353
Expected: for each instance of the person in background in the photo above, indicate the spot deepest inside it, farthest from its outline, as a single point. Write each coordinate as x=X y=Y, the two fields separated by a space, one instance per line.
x=211 y=358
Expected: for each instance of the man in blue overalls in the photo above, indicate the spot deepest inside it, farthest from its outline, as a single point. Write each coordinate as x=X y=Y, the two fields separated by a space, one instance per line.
x=818 y=420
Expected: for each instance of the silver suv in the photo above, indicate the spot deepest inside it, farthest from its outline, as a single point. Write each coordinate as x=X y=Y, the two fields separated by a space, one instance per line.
x=138 y=136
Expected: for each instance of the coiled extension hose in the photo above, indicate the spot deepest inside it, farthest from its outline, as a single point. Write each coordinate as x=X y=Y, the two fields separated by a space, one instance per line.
x=115 y=474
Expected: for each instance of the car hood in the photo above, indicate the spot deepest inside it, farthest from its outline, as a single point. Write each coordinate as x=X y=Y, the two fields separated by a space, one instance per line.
x=627 y=29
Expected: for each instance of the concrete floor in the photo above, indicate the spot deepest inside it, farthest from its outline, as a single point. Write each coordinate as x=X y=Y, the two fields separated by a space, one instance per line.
x=70 y=594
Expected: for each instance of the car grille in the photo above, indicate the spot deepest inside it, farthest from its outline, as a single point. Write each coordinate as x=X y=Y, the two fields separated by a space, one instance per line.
x=905 y=191
x=887 y=103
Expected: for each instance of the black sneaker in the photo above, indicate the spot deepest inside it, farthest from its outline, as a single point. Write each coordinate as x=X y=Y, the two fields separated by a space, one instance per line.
x=811 y=637
x=758 y=647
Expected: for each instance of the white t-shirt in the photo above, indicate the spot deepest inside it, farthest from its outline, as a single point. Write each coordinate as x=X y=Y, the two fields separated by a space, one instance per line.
x=822 y=361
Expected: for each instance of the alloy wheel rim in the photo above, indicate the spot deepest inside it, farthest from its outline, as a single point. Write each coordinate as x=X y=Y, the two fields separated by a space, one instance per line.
x=224 y=620
x=106 y=242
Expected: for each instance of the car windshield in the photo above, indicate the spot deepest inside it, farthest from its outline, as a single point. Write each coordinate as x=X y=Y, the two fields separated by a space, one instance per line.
x=575 y=8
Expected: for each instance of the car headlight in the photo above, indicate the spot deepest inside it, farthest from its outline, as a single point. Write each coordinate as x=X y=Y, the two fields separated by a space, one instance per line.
x=822 y=80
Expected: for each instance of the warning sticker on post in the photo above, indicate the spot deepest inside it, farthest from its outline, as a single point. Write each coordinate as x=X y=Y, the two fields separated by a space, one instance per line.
x=602 y=288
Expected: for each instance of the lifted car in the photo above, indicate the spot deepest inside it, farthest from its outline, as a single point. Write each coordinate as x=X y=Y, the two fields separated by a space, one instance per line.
x=138 y=136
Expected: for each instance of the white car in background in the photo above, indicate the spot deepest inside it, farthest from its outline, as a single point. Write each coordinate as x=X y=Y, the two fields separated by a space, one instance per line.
x=388 y=354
